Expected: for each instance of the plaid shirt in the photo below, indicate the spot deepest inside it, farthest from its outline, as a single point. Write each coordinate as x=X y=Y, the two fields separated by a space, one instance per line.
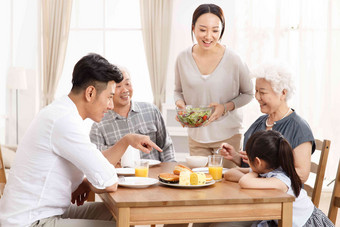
x=143 y=118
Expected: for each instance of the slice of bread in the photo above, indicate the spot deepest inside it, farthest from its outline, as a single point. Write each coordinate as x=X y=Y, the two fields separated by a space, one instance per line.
x=179 y=168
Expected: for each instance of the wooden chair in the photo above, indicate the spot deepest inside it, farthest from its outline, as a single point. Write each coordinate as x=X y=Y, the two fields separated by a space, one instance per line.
x=335 y=200
x=319 y=170
x=2 y=175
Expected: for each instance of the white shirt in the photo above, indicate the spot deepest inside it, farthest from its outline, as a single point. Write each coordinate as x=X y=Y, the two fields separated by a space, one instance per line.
x=50 y=163
x=230 y=81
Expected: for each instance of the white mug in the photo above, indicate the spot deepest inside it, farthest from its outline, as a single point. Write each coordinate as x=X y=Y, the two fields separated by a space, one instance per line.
x=130 y=156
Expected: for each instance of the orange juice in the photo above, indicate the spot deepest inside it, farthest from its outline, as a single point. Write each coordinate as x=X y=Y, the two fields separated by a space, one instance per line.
x=141 y=171
x=216 y=172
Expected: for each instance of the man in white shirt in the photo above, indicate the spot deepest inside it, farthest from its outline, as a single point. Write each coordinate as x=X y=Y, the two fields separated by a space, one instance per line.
x=56 y=161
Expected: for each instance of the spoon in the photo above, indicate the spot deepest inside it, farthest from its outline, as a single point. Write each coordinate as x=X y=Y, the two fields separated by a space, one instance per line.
x=217 y=151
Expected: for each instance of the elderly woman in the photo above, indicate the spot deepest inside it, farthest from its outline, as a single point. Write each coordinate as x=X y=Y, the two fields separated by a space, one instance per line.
x=273 y=88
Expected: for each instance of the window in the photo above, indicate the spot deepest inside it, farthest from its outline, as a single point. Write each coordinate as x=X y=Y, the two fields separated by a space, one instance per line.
x=112 y=29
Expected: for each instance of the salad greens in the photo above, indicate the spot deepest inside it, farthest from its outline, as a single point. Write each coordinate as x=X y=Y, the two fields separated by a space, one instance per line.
x=194 y=117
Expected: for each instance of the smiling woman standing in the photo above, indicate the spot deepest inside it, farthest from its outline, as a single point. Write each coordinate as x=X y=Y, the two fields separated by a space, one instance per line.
x=210 y=74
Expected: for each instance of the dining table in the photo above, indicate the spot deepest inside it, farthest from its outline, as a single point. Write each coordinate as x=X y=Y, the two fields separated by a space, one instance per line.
x=223 y=201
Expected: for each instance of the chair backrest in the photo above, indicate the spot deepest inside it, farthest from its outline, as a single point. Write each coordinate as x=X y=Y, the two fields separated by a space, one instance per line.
x=335 y=200
x=2 y=174
x=319 y=169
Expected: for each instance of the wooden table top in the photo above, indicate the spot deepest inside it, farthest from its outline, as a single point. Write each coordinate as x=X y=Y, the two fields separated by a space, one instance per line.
x=223 y=192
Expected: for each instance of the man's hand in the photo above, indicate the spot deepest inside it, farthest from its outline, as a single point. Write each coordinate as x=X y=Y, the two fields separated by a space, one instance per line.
x=141 y=142
x=81 y=194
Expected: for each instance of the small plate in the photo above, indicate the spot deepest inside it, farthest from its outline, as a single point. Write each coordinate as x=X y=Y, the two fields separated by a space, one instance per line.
x=206 y=170
x=137 y=182
x=152 y=162
x=188 y=186
x=125 y=171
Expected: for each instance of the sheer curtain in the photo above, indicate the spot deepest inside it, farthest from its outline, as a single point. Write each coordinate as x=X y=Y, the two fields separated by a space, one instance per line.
x=302 y=33
x=56 y=17
x=156 y=28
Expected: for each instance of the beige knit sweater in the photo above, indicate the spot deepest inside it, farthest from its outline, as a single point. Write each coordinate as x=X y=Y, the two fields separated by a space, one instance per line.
x=229 y=81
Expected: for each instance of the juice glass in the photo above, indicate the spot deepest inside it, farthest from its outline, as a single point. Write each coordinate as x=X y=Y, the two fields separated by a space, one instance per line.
x=142 y=168
x=215 y=166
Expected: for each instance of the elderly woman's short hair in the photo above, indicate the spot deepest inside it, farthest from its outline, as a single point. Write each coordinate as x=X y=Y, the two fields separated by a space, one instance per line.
x=279 y=75
x=123 y=69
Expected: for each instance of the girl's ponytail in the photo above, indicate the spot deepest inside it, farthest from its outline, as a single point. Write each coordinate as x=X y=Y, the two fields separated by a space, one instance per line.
x=286 y=159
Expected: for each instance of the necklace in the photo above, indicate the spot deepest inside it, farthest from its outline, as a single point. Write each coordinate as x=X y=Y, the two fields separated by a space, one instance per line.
x=270 y=126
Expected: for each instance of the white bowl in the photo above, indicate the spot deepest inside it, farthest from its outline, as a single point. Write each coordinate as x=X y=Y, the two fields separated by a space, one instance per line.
x=196 y=161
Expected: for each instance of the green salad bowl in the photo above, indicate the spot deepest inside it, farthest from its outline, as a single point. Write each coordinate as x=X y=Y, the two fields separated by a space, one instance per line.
x=194 y=117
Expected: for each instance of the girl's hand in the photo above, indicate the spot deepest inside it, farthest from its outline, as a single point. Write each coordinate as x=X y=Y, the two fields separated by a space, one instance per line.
x=246 y=177
x=243 y=155
x=253 y=174
x=229 y=153
x=219 y=110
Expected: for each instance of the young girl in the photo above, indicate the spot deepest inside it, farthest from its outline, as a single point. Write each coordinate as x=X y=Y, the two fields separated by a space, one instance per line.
x=272 y=162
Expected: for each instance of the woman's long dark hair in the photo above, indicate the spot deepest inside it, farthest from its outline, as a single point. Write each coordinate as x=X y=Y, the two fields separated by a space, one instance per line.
x=276 y=151
x=208 y=8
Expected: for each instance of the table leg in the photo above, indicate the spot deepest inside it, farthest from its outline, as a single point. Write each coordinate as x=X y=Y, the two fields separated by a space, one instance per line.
x=123 y=217
x=287 y=214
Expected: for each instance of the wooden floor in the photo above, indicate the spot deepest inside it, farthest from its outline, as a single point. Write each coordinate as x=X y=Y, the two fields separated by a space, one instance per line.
x=324 y=205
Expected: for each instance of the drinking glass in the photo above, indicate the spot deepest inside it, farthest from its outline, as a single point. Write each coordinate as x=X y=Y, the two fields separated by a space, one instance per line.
x=142 y=168
x=215 y=166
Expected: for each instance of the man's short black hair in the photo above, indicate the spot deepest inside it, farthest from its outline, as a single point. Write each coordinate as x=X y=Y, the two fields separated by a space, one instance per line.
x=94 y=70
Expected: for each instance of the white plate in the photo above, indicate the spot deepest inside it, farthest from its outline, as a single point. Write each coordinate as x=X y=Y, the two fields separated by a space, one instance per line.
x=206 y=170
x=152 y=162
x=137 y=182
x=188 y=186
x=125 y=171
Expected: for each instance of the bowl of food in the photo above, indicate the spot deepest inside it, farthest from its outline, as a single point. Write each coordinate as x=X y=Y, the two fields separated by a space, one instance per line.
x=193 y=117
x=196 y=161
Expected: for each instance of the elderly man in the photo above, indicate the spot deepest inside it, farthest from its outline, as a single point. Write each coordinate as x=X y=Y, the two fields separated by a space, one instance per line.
x=56 y=163
x=128 y=116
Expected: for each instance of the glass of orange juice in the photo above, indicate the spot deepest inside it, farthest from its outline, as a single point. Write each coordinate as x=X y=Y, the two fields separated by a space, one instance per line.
x=141 y=168
x=215 y=166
